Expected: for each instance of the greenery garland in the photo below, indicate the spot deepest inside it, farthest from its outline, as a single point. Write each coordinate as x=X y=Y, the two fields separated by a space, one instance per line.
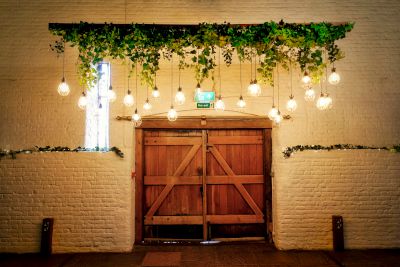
x=145 y=44
x=13 y=153
x=290 y=150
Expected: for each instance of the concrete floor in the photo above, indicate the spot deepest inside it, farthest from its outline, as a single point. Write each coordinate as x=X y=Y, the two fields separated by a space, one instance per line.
x=210 y=255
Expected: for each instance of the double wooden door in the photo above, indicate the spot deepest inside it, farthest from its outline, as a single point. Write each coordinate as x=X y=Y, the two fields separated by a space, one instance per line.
x=204 y=184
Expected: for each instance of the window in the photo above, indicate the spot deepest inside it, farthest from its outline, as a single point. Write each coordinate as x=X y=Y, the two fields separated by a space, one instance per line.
x=97 y=110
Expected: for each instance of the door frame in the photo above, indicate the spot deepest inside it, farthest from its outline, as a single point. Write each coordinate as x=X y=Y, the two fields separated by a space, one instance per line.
x=201 y=123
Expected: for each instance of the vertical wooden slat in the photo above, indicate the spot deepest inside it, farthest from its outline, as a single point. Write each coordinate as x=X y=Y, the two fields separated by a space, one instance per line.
x=268 y=181
x=139 y=186
x=204 y=173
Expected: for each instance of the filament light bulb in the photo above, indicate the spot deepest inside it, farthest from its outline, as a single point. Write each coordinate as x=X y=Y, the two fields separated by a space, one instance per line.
x=334 y=77
x=155 y=93
x=254 y=89
x=309 y=94
x=272 y=113
x=112 y=96
x=63 y=88
x=306 y=79
x=291 y=105
x=180 y=97
x=241 y=103
x=137 y=119
x=219 y=105
x=172 y=114
x=147 y=106
x=82 y=102
x=128 y=99
x=278 y=118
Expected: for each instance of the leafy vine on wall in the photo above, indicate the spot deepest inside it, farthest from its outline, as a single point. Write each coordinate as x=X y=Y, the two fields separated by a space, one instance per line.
x=196 y=45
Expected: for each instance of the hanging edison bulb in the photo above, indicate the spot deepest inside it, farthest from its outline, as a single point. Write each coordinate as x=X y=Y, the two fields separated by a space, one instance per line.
x=63 y=88
x=172 y=114
x=241 y=103
x=322 y=103
x=180 y=97
x=334 y=77
x=82 y=102
x=155 y=93
x=198 y=88
x=291 y=105
x=306 y=78
x=309 y=94
x=111 y=94
x=128 y=99
x=278 y=118
x=137 y=119
x=273 y=112
x=219 y=105
x=254 y=89
x=147 y=106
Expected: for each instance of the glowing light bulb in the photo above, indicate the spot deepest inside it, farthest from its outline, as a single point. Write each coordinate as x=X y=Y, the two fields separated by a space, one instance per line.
x=334 y=78
x=272 y=113
x=322 y=102
x=291 y=105
x=137 y=119
x=128 y=99
x=155 y=93
x=111 y=94
x=63 y=88
x=147 y=106
x=172 y=114
x=278 y=118
x=306 y=79
x=254 y=89
x=219 y=105
x=309 y=95
x=180 y=97
x=198 y=88
x=241 y=103
x=82 y=101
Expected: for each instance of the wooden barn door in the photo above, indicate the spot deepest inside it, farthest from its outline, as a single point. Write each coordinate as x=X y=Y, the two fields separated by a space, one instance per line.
x=173 y=202
x=235 y=183
x=202 y=184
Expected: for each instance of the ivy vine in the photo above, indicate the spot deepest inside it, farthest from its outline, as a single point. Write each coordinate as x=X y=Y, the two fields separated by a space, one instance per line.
x=196 y=45
x=290 y=150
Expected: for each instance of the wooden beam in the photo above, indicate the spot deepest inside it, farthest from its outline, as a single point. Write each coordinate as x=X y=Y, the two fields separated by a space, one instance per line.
x=235 y=219
x=235 y=140
x=177 y=180
x=204 y=137
x=172 y=141
x=231 y=122
x=249 y=200
x=243 y=179
x=173 y=220
x=185 y=162
x=222 y=162
x=139 y=199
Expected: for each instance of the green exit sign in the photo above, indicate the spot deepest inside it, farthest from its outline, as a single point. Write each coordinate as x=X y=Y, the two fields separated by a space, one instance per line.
x=204 y=97
x=203 y=105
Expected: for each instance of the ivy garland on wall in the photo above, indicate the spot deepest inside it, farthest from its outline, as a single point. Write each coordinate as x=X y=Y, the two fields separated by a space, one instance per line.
x=196 y=45
x=13 y=153
x=290 y=150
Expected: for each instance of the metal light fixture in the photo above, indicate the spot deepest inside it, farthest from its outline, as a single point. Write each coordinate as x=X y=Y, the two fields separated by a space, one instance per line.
x=63 y=88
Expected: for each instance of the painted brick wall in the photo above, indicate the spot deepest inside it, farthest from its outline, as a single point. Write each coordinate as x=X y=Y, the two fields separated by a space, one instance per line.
x=366 y=111
x=88 y=195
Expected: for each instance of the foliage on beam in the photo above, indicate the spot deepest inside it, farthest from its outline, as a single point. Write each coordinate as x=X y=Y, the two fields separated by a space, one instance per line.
x=196 y=46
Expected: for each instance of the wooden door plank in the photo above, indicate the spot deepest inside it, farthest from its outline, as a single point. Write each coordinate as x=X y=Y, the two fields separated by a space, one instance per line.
x=189 y=156
x=235 y=140
x=248 y=198
x=177 y=180
x=204 y=183
x=243 y=179
x=157 y=203
x=221 y=161
x=174 y=220
x=235 y=219
x=172 y=141
x=138 y=186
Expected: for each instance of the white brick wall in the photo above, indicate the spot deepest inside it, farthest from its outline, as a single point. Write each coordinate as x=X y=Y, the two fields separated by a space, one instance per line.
x=361 y=186
x=366 y=111
x=87 y=194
